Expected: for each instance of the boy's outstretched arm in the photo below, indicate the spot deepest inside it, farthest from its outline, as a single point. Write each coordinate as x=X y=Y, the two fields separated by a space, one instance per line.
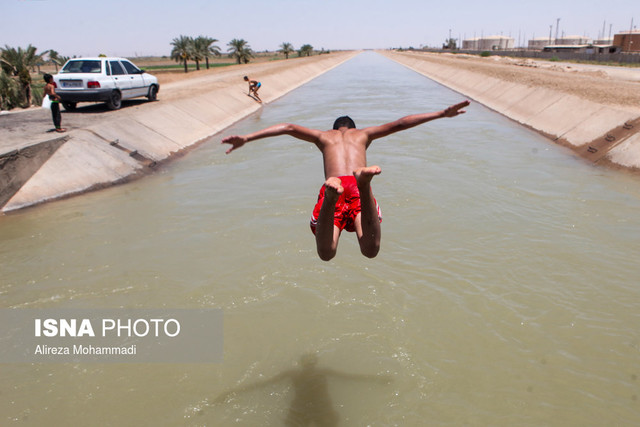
x=407 y=122
x=300 y=132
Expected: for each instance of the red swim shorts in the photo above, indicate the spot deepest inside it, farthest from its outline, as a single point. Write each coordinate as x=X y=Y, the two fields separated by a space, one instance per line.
x=347 y=207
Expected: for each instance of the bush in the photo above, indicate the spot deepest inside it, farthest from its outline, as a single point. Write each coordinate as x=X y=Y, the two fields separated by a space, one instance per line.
x=37 y=93
x=10 y=94
x=485 y=53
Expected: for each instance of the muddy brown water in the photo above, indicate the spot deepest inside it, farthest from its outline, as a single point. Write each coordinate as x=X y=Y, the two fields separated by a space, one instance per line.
x=506 y=291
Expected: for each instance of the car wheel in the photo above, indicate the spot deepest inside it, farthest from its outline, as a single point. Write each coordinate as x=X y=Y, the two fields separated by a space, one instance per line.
x=115 y=100
x=153 y=93
x=69 y=106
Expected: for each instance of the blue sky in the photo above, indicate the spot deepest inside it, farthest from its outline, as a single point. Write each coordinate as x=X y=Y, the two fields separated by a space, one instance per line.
x=147 y=27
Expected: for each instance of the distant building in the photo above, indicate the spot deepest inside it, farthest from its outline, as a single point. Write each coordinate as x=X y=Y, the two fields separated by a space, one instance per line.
x=581 y=48
x=471 y=44
x=572 y=41
x=603 y=42
x=565 y=48
x=488 y=43
x=602 y=48
x=564 y=44
x=539 y=43
x=627 y=41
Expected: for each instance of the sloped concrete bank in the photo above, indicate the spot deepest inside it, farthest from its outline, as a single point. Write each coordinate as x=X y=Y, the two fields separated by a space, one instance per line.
x=601 y=132
x=129 y=142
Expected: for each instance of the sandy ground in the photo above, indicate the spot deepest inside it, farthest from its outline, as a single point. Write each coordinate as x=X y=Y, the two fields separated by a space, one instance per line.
x=602 y=84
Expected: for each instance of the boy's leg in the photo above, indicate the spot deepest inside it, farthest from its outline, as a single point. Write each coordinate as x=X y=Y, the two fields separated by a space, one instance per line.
x=327 y=234
x=55 y=115
x=367 y=222
x=57 y=118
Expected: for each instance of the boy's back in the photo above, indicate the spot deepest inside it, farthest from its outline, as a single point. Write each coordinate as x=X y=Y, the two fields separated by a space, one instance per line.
x=343 y=150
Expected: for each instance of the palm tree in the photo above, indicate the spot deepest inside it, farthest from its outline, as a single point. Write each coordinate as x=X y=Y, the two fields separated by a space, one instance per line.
x=240 y=50
x=16 y=62
x=286 y=48
x=210 y=49
x=182 y=50
x=305 y=50
x=198 y=50
x=9 y=91
x=54 y=58
x=62 y=60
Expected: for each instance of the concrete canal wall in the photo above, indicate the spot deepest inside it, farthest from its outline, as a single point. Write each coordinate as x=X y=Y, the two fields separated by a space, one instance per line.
x=126 y=143
x=600 y=132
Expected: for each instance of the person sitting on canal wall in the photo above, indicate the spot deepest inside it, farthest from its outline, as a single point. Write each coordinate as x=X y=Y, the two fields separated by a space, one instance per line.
x=346 y=200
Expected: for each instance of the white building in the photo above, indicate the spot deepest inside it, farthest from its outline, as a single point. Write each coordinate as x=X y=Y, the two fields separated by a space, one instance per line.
x=539 y=43
x=488 y=43
x=572 y=41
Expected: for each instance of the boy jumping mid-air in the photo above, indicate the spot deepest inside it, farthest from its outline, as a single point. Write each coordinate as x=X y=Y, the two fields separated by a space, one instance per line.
x=346 y=200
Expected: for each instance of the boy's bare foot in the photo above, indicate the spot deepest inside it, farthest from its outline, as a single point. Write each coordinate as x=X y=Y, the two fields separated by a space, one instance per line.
x=365 y=175
x=333 y=188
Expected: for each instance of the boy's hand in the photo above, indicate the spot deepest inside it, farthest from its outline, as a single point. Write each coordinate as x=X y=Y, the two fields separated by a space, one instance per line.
x=454 y=110
x=235 y=141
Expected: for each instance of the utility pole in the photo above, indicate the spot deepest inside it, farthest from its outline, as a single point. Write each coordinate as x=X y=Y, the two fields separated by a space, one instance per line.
x=630 y=34
x=518 y=38
x=557 y=26
x=610 y=27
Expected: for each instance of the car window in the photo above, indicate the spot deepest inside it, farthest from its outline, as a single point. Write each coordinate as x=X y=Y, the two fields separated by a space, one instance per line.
x=131 y=69
x=83 y=66
x=116 y=68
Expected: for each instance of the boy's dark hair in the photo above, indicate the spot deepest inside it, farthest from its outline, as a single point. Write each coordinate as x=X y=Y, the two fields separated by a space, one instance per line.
x=48 y=78
x=246 y=77
x=344 y=121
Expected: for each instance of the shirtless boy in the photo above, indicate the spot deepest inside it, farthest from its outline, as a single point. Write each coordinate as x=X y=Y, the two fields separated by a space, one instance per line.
x=346 y=200
x=254 y=86
x=50 y=91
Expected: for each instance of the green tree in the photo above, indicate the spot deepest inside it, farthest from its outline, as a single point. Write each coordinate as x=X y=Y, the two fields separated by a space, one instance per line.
x=209 y=49
x=305 y=50
x=197 y=53
x=240 y=50
x=54 y=58
x=182 y=51
x=9 y=92
x=16 y=63
x=286 y=49
x=450 y=44
x=62 y=60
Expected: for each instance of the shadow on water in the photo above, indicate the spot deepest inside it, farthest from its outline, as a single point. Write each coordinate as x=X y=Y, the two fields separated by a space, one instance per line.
x=311 y=403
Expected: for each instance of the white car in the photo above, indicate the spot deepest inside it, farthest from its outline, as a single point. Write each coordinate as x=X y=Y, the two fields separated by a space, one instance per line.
x=107 y=80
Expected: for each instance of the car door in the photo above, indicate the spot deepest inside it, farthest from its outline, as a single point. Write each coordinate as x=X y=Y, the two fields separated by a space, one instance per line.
x=138 y=87
x=121 y=78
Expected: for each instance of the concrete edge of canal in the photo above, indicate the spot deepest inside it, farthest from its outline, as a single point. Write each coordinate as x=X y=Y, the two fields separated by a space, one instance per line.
x=129 y=145
x=601 y=134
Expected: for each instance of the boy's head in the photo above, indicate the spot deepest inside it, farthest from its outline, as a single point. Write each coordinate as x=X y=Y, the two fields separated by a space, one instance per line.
x=48 y=78
x=246 y=78
x=344 y=122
